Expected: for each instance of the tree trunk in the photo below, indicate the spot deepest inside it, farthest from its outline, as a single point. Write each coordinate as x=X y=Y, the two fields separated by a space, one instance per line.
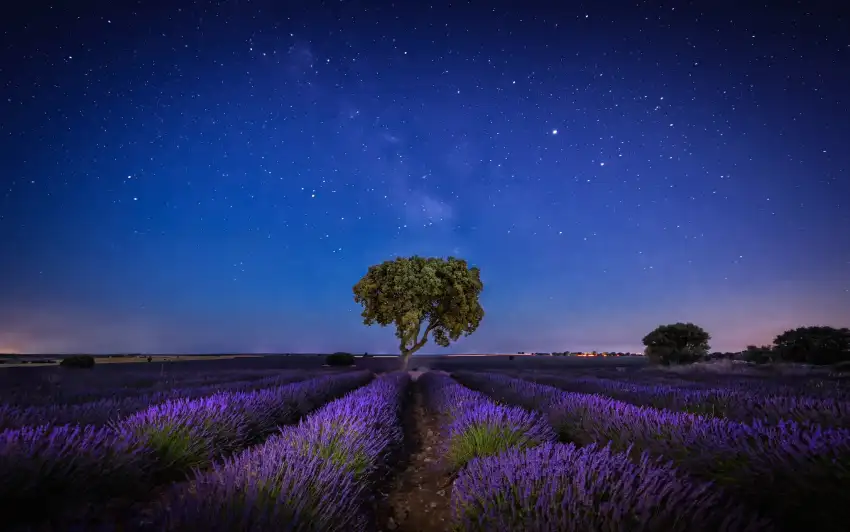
x=405 y=358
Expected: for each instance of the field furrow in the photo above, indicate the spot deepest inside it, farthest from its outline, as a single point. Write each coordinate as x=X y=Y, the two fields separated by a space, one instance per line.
x=416 y=498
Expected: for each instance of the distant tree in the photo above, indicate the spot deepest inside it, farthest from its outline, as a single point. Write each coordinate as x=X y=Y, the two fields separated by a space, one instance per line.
x=511 y=357
x=421 y=296
x=677 y=343
x=758 y=354
x=150 y=359
x=340 y=359
x=813 y=345
x=78 y=361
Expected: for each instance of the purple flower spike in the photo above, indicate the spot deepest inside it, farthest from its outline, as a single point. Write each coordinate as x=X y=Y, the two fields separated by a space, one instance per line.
x=312 y=477
x=798 y=475
x=563 y=488
x=61 y=469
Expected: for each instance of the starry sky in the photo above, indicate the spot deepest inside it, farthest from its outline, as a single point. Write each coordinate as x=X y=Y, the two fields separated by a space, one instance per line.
x=216 y=176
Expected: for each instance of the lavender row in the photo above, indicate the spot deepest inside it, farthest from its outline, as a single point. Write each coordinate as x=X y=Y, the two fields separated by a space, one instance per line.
x=311 y=477
x=61 y=386
x=737 y=405
x=515 y=478
x=60 y=468
x=101 y=412
x=563 y=487
x=769 y=384
x=793 y=474
x=475 y=426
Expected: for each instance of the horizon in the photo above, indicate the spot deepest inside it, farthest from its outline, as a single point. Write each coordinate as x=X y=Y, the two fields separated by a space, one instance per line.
x=609 y=168
x=356 y=354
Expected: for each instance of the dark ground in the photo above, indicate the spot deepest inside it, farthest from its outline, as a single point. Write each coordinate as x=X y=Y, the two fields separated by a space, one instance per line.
x=417 y=498
x=25 y=376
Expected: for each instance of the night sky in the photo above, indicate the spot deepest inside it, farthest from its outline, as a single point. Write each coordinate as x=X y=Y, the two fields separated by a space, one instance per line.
x=215 y=177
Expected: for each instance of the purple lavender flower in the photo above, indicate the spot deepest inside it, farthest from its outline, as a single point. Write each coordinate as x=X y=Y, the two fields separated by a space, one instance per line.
x=557 y=487
x=488 y=429
x=55 y=469
x=310 y=477
x=192 y=433
x=272 y=489
x=105 y=410
x=478 y=427
x=797 y=475
x=766 y=404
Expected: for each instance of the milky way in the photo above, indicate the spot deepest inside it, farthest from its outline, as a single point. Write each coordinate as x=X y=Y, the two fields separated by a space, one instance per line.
x=216 y=176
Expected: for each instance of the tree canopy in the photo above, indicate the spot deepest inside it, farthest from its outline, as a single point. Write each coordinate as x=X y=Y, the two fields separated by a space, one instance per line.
x=421 y=296
x=813 y=345
x=677 y=343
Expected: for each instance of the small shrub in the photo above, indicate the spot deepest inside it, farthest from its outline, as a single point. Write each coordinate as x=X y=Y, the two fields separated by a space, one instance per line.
x=340 y=359
x=511 y=357
x=150 y=359
x=78 y=361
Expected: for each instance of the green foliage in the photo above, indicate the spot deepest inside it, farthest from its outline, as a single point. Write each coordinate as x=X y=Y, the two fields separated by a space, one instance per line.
x=485 y=439
x=759 y=355
x=175 y=446
x=78 y=361
x=333 y=443
x=813 y=345
x=421 y=296
x=340 y=359
x=677 y=343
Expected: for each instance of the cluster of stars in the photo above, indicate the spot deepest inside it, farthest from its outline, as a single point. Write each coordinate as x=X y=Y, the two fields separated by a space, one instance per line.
x=638 y=141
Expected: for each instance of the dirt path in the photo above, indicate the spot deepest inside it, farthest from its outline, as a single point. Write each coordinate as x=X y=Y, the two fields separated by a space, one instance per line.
x=418 y=497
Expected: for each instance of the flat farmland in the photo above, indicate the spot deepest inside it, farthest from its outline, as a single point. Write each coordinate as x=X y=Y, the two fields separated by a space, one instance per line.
x=468 y=443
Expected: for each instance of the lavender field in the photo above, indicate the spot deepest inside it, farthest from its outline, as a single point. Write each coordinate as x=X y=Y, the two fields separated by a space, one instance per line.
x=268 y=446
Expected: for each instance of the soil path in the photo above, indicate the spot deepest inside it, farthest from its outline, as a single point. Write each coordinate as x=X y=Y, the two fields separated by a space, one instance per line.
x=418 y=496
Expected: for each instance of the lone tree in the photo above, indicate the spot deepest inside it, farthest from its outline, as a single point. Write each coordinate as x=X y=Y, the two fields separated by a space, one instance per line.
x=678 y=343
x=416 y=293
x=813 y=345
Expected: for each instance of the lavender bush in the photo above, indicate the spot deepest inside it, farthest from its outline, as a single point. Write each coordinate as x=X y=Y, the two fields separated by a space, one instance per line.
x=797 y=475
x=311 y=477
x=72 y=465
x=477 y=426
x=735 y=404
x=564 y=488
x=47 y=470
x=58 y=387
x=104 y=411
x=186 y=434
